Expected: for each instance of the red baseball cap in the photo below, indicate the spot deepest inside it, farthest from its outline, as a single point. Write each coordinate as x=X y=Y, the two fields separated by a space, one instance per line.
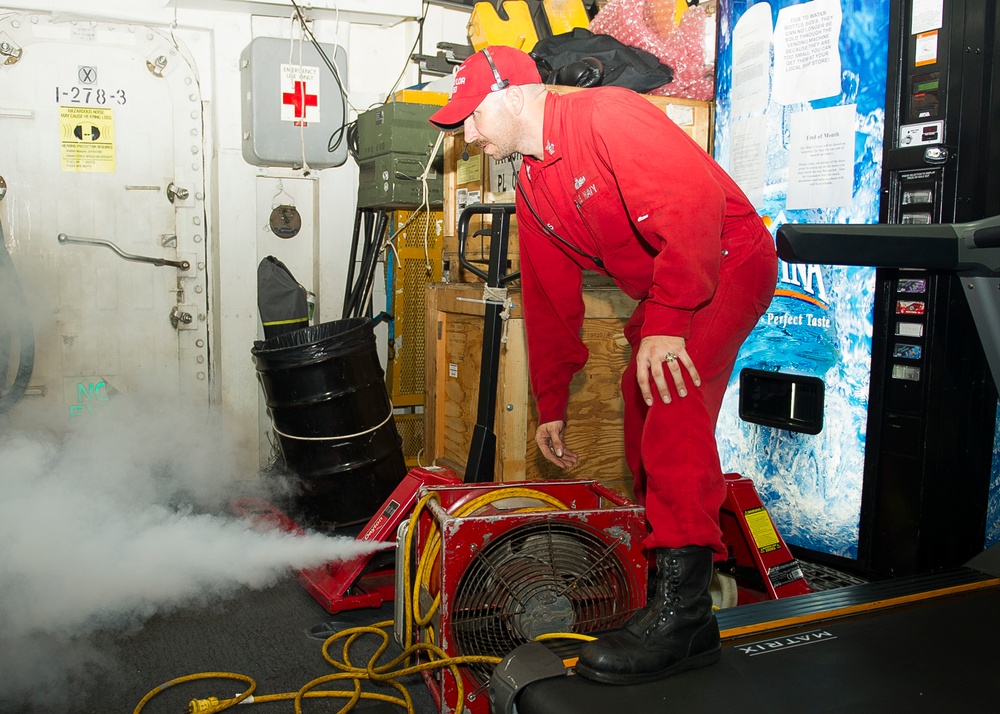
x=475 y=79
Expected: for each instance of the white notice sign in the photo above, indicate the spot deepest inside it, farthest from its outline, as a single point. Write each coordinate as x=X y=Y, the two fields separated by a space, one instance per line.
x=751 y=61
x=748 y=157
x=806 y=52
x=821 y=164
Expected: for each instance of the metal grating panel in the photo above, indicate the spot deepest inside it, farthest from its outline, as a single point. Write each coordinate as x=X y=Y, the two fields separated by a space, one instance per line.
x=411 y=373
x=416 y=232
x=411 y=274
x=411 y=429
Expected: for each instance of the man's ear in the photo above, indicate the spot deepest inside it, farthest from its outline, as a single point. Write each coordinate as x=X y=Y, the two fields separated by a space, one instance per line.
x=514 y=98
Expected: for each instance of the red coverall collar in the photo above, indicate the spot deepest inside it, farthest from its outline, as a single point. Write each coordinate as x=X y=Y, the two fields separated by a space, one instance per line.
x=552 y=149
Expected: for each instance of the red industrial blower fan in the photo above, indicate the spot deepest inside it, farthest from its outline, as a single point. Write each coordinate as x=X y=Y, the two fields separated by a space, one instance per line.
x=487 y=568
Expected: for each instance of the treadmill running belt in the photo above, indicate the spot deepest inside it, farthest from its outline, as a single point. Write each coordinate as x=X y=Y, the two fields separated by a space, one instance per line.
x=939 y=655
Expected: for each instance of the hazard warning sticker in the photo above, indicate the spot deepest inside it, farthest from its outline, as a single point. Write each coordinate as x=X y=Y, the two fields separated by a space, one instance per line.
x=87 y=139
x=762 y=530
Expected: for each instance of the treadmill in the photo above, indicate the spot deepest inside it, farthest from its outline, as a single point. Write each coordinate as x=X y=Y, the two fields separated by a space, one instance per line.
x=924 y=643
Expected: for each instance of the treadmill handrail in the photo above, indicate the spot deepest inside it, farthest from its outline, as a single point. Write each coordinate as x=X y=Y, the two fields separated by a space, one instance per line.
x=971 y=248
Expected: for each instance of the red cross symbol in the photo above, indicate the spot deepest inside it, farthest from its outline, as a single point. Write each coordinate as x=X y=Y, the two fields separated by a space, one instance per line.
x=300 y=99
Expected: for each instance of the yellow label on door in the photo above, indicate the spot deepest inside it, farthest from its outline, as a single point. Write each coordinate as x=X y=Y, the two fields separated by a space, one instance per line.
x=87 y=139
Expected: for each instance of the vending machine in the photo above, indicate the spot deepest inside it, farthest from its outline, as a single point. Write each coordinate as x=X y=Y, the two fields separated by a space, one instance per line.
x=861 y=406
x=934 y=416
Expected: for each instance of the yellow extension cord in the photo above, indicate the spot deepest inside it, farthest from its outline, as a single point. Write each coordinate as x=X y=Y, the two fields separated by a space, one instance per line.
x=386 y=674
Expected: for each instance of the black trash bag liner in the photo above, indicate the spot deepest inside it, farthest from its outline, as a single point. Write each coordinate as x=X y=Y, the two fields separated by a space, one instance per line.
x=316 y=343
x=623 y=66
x=281 y=301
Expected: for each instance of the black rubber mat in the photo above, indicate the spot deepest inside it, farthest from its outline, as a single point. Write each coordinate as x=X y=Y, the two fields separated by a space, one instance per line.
x=823 y=577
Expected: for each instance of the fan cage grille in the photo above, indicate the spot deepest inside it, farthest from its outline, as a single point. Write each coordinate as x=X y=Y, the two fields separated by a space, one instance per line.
x=540 y=578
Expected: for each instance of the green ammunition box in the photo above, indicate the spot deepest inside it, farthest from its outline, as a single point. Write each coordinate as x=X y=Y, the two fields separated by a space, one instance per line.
x=396 y=128
x=393 y=181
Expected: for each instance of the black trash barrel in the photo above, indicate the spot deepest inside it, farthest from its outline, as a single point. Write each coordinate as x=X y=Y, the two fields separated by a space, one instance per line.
x=330 y=411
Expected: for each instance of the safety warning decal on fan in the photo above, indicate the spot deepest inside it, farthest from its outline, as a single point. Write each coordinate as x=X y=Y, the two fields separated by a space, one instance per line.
x=762 y=530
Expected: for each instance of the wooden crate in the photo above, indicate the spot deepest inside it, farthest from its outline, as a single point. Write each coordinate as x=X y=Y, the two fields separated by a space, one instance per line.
x=454 y=333
x=475 y=180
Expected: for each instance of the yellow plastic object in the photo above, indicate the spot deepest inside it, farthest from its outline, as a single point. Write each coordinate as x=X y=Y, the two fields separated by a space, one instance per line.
x=486 y=28
x=564 y=15
x=680 y=7
x=420 y=96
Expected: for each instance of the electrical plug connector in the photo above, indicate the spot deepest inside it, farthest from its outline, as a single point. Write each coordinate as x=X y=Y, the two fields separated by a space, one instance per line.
x=203 y=706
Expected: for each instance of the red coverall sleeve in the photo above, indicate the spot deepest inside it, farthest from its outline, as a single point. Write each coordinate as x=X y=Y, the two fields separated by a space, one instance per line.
x=551 y=285
x=673 y=201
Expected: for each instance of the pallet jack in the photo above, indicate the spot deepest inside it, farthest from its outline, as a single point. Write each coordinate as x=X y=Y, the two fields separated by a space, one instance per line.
x=923 y=643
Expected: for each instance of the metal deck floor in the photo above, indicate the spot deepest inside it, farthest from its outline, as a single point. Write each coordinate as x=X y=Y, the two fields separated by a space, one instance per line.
x=264 y=634
x=937 y=655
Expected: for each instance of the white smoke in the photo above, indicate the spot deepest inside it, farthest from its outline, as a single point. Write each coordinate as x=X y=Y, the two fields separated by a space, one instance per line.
x=121 y=517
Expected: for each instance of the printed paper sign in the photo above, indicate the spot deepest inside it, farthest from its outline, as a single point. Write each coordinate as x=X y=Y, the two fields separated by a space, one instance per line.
x=926 y=15
x=806 y=52
x=748 y=157
x=821 y=166
x=752 y=61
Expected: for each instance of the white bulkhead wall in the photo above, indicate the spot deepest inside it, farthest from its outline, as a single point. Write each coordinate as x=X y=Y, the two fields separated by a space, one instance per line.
x=378 y=36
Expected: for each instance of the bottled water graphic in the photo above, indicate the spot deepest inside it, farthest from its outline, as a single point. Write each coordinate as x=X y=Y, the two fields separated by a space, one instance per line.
x=818 y=325
x=798 y=332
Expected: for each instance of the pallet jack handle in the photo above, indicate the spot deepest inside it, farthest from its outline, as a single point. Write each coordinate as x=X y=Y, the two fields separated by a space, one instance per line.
x=482 y=450
x=500 y=236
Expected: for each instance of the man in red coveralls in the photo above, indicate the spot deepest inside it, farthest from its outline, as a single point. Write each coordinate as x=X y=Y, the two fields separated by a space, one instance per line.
x=609 y=183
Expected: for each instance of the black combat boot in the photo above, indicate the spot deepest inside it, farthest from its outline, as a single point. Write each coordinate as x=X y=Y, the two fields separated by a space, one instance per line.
x=676 y=631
